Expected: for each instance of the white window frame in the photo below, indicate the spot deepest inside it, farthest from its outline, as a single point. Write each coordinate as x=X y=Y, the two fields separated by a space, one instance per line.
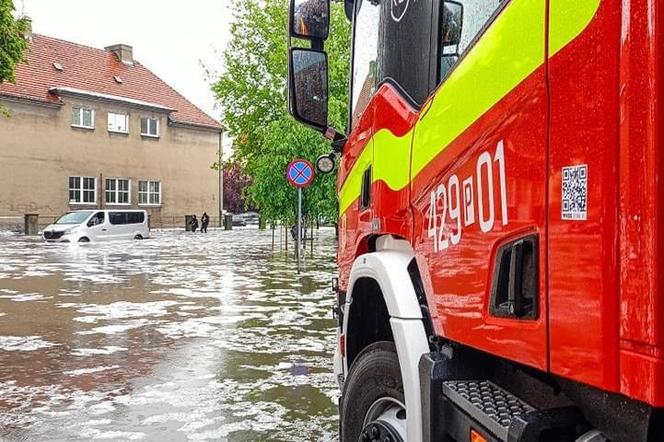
x=148 y=193
x=81 y=189
x=80 y=124
x=156 y=120
x=117 y=192
x=118 y=114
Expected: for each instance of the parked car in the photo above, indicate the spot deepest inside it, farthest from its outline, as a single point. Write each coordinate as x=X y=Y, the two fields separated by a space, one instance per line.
x=251 y=218
x=98 y=225
x=238 y=221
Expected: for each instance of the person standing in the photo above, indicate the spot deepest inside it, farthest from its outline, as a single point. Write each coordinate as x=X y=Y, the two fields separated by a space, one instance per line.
x=205 y=220
x=193 y=223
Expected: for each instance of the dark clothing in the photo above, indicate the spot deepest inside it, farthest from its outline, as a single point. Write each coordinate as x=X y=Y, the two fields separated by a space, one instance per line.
x=193 y=224
x=205 y=220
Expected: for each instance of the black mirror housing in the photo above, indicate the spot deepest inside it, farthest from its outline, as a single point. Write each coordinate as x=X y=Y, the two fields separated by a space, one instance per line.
x=309 y=19
x=308 y=87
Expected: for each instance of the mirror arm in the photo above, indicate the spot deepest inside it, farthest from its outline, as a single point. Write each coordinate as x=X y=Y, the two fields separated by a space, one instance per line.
x=338 y=139
x=317 y=45
x=338 y=145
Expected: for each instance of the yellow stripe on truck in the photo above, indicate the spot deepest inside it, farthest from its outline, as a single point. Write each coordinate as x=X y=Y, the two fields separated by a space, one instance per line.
x=392 y=158
x=508 y=52
x=567 y=20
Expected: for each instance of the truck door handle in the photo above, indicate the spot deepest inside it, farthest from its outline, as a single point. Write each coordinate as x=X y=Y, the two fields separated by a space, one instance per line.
x=514 y=291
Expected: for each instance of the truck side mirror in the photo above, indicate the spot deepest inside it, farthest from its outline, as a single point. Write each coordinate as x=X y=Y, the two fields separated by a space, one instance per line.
x=308 y=87
x=310 y=19
x=452 y=24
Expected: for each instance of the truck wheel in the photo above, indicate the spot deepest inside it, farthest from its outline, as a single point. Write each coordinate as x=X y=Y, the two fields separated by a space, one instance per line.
x=372 y=407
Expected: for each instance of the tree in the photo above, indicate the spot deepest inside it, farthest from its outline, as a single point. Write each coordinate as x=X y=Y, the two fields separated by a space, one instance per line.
x=235 y=184
x=252 y=92
x=13 y=44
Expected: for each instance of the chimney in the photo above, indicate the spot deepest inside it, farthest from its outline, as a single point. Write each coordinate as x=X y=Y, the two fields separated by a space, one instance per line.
x=123 y=52
x=28 y=29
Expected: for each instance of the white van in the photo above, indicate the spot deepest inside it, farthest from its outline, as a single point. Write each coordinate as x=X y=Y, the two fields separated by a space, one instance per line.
x=98 y=225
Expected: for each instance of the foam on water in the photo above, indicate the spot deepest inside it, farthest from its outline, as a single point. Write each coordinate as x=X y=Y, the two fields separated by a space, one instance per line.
x=181 y=337
x=23 y=343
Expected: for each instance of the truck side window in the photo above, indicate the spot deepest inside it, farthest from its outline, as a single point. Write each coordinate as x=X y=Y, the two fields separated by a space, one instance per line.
x=406 y=47
x=366 y=72
x=469 y=18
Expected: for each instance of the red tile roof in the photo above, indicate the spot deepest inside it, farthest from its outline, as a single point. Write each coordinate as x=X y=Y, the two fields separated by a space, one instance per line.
x=92 y=70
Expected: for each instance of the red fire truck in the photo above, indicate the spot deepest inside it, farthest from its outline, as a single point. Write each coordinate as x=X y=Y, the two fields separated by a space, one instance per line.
x=501 y=240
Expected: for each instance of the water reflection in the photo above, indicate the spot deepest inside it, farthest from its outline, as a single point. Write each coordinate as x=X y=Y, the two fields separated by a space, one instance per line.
x=182 y=337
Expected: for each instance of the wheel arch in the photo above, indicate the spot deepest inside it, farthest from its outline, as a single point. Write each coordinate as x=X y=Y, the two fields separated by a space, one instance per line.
x=383 y=304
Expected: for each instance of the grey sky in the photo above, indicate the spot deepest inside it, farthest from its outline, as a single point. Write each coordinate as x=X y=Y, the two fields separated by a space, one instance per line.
x=169 y=37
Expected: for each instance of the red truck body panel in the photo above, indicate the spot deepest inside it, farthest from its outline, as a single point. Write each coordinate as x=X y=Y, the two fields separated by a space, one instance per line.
x=595 y=102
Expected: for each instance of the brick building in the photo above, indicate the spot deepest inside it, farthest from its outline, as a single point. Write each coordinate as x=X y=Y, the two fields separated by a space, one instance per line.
x=95 y=128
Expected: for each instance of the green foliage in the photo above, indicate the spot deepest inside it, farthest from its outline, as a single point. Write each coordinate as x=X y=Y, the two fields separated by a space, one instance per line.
x=253 y=92
x=13 y=44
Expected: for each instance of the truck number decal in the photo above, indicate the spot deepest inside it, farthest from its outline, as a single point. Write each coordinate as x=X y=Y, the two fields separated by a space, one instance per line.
x=457 y=201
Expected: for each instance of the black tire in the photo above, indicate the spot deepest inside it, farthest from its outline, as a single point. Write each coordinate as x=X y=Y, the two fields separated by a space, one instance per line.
x=84 y=239
x=138 y=237
x=375 y=373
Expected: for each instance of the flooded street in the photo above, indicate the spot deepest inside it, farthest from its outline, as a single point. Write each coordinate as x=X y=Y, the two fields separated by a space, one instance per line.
x=180 y=337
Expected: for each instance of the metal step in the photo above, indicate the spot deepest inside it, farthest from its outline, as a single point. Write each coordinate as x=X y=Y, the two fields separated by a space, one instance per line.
x=488 y=404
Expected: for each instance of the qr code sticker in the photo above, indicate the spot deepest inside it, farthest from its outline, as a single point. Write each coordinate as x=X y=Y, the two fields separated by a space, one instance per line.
x=575 y=192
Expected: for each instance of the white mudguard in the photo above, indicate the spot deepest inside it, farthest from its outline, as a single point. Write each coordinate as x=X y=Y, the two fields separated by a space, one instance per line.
x=388 y=266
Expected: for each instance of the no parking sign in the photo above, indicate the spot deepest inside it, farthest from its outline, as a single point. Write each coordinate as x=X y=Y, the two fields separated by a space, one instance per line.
x=300 y=173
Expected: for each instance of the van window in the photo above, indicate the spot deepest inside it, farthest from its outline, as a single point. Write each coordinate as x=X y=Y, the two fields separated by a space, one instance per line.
x=73 y=217
x=135 y=217
x=97 y=219
x=117 y=218
x=471 y=16
x=366 y=72
x=120 y=218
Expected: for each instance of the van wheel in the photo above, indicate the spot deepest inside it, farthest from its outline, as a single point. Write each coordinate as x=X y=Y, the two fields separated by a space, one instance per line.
x=138 y=237
x=372 y=407
x=84 y=239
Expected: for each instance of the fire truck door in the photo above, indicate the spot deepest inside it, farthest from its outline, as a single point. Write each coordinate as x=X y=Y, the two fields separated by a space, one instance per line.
x=478 y=178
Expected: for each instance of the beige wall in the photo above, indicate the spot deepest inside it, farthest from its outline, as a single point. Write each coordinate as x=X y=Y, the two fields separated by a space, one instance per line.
x=39 y=151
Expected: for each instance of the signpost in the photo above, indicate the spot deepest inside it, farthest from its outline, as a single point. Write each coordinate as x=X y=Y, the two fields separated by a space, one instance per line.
x=300 y=174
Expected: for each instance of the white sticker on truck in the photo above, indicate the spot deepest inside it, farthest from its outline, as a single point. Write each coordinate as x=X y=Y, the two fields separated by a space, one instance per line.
x=575 y=193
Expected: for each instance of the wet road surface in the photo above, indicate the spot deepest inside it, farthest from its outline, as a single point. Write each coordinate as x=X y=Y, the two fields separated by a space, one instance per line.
x=180 y=337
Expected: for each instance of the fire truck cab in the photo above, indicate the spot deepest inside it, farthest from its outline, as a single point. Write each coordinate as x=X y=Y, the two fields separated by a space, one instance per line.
x=501 y=227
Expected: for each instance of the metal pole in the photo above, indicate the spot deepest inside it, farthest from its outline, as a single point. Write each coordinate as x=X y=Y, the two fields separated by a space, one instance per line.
x=299 y=227
x=221 y=178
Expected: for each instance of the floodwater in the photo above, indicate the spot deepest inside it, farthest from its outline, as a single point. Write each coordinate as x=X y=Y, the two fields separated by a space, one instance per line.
x=180 y=337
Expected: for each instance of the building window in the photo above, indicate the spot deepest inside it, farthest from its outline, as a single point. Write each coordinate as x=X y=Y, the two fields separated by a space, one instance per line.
x=149 y=127
x=82 y=190
x=149 y=193
x=117 y=191
x=118 y=123
x=83 y=117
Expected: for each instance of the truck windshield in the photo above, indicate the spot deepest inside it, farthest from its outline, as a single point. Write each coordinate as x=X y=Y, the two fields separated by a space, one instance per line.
x=73 y=217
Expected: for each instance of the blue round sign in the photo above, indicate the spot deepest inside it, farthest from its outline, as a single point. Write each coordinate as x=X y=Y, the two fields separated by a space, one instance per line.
x=300 y=173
